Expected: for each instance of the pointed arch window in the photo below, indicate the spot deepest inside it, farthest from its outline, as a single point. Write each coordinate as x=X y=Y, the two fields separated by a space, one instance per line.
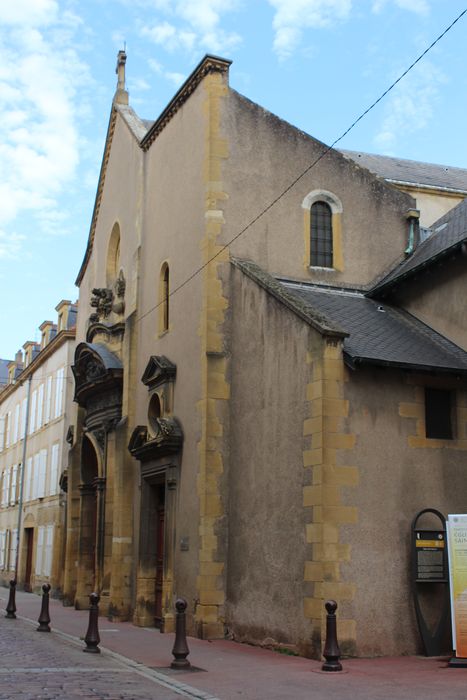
x=164 y=292
x=321 y=235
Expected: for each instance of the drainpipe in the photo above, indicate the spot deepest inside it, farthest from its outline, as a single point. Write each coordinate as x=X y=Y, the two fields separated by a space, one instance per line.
x=413 y=217
x=21 y=483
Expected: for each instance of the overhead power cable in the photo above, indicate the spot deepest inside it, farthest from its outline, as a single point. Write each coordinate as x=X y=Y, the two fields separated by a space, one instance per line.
x=307 y=170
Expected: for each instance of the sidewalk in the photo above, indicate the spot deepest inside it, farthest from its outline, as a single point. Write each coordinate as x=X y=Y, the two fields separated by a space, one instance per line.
x=241 y=672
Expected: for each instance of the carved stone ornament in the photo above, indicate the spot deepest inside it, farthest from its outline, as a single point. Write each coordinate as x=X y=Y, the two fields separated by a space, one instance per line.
x=101 y=300
x=70 y=435
x=98 y=384
x=168 y=440
x=120 y=285
x=93 y=370
x=159 y=370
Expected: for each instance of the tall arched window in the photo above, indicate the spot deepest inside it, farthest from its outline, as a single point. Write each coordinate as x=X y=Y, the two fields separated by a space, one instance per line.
x=164 y=292
x=113 y=256
x=321 y=235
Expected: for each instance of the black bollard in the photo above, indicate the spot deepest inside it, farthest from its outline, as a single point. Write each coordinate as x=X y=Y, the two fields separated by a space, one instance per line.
x=11 y=605
x=92 y=638
x=44 y=617
x=331 y=649
x=180 y=649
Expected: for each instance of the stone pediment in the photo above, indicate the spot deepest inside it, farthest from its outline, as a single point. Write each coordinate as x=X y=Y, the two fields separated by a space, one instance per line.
x=167 y=440
x=159 y=370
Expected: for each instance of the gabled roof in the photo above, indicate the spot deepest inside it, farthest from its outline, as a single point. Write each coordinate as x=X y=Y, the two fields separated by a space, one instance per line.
x=145 y=132
x=372 y=333
x=381 y=334
x=299 y=306
x=412 y=172
x=449 y=235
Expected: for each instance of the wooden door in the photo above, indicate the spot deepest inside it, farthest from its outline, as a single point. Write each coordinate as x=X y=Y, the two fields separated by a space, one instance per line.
x=159 y=564
x=29 y=548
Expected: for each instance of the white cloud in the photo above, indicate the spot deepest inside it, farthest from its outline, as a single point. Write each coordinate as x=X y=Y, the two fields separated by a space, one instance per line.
x=410 y=106
x=176 y=78
x=293 y=17
x=194 y=25
x=10 y=245
x=29 y=12
x=40 y=77
x=420 y=7
x=170 y=37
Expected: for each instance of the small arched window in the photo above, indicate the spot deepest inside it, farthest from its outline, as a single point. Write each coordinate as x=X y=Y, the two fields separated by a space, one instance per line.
x=320 y=235
x=164 y=291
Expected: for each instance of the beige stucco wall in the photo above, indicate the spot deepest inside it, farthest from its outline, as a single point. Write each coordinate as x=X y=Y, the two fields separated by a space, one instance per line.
x=173 y=231
x=159 y=199
x=437 y=297
x=267 y=155
x=267 y=545
x=400 y=473
x=121 y=204
x=433 y=204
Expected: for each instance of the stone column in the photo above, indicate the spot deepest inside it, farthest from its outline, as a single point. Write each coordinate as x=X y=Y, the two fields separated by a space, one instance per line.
x=87 y=546
x=169 y=548
x=122 y=465
x=100 y=531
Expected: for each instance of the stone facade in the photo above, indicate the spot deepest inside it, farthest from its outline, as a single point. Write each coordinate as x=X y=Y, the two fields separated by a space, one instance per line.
x=227 y=448
x=34 y=423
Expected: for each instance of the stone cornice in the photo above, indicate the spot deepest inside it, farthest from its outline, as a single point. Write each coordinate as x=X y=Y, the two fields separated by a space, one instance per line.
x=100 y=189
x=209 y=64
x=44 y=354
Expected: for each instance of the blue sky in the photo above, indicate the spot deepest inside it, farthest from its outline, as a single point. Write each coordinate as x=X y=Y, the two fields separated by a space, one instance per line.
x=315 y=63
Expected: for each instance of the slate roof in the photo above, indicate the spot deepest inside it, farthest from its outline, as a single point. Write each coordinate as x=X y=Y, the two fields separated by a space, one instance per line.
x=109 y=360
x=381 y=334
x=412 y=171
x=448 y=235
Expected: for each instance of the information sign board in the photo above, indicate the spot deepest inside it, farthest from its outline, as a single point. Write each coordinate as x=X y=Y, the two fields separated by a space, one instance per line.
x=457 y=548
x=430 y=556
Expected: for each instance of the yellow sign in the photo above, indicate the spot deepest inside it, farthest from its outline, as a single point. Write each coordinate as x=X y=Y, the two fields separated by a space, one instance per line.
x=457 y=551
x=439 y=544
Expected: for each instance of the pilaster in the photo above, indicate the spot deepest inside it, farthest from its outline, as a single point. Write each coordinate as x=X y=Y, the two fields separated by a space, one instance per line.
x=213 y=405
x=323 y=496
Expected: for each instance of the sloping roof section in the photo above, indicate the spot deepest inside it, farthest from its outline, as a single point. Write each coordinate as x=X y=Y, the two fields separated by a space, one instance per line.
x=381 y=334
x=298 y=305
x=449 y=234
x=412 y=172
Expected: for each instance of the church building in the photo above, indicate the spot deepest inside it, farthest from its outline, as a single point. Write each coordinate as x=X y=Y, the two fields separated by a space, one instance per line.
x=270 y=379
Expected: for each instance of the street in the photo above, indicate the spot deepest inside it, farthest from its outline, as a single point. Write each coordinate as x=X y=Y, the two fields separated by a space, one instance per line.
x=49 y=666
x=134 y=664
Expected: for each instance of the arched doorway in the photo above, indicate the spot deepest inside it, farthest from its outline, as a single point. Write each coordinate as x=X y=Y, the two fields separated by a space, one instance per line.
x=88 y=520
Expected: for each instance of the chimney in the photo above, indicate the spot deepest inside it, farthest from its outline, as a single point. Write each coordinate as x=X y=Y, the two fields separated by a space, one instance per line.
x=121 y=94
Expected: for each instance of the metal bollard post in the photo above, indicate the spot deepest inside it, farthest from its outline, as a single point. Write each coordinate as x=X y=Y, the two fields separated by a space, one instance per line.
x=331 y=649
x=11 y=605
x=92 y=638
x=44 y=617
x=180 y=648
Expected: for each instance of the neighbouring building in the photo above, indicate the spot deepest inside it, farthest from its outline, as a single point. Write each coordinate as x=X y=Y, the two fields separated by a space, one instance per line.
x=34 y=419
x=270 y=379
x=436 y=188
